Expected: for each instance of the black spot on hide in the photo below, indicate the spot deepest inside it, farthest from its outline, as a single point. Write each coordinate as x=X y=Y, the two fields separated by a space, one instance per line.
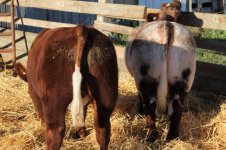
x=177 y=88
x=148 y=86
x=186 y=73
x=144 y=69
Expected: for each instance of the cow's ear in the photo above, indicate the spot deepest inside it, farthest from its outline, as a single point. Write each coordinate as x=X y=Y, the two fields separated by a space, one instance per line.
x=151 y=17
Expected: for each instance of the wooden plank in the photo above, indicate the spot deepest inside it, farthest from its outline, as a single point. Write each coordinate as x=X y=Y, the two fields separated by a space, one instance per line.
x=4 y=14
x=103 y=9
x=204 y=20
x=210 y=44
x=22 y=45
x=6 y=50
x=211 y=70
x=152 y=11
x=6 y=34
x=37 y=23
x=4 y=1
x=101 y=18
x=113 y=28
x=5 y=41
x=210 y=84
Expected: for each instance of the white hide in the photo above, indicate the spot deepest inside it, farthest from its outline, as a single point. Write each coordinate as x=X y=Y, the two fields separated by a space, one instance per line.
x=182 y=55
x=77 y=104
x=170 y=105
x=166 y=62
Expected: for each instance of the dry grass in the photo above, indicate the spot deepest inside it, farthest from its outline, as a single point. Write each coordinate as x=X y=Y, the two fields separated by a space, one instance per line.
x=203 y=124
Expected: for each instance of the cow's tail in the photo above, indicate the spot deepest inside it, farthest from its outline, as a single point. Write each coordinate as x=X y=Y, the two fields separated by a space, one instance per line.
x=20 y=70
x=77 y=111
x=162 y=91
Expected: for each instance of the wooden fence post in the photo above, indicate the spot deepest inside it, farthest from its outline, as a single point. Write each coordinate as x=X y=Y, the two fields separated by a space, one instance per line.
x=100 y=18
x=224 y=5
x=189 y=4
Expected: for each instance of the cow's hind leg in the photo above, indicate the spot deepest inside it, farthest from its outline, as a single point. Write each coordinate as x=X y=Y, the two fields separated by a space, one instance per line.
x=140 y=104
x=37 y=105
x=102 y=125
x=54 y=112
x=176 y=96
x=148 y=90
x=105 y=96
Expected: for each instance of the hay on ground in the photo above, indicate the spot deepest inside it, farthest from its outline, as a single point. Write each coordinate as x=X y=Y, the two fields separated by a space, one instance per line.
x=203 y=124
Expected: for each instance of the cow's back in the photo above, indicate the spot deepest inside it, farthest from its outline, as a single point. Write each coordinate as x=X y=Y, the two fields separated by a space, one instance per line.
x=181 y=55
x=143 y=49
x=51 y=60
x=156 y=41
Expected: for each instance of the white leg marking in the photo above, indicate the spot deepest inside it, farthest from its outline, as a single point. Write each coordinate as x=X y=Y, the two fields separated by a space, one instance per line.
x=85 y=101
x=170 y=105
x=76 y=104
x=143 y=105
x=170 y=108
x=152 y=100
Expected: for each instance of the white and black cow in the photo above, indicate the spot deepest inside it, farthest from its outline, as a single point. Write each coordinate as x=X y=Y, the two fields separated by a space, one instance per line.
x=161 y=57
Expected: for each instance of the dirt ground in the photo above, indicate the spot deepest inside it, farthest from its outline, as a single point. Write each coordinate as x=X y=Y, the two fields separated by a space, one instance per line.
x=203 y=124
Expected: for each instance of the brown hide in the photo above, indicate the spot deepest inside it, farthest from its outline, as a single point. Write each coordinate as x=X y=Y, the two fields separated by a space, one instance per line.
x=168 y=12
x=51 y=63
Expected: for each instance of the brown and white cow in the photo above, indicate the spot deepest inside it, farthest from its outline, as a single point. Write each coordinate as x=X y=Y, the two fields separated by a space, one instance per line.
x=168 y=11
x=161 y=57
x=72 y=66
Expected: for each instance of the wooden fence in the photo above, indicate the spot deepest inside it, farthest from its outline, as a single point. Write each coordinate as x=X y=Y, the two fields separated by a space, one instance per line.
x=209 y=76
x=49 y=15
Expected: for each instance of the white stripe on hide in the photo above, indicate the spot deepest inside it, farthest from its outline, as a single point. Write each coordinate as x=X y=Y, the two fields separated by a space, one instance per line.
x=170 y=105
x=76 y=104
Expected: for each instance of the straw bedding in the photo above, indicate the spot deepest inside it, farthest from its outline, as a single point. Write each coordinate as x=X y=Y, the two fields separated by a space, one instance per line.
x=203 y=124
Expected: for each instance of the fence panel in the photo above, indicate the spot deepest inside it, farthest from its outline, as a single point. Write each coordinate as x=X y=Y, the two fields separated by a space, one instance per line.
x=50 y=14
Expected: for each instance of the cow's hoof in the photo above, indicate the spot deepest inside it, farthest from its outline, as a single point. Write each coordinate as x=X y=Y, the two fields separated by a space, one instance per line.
x=79 y=133
x=140 y=110
x=172 y=136
x=140 y=105
x=152 y=135
x=82 y=132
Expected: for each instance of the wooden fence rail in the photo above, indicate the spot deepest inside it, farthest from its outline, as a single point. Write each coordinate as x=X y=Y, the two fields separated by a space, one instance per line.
x=205 y=71
x=204 y=20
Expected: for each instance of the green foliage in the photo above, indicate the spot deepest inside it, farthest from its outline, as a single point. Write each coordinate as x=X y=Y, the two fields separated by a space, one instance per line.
x=213 y=34
x=211 y=57
x=119 y=39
